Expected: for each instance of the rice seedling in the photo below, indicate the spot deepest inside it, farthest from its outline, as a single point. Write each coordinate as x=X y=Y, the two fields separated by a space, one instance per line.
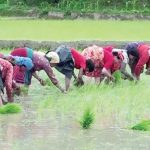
x=87 y=119
x=117 y=76
x=10 y=108
x=143 y=126
x=47 y=82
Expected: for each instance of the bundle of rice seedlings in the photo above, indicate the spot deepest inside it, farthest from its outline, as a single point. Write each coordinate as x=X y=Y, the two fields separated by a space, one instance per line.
x=143 y=126
x=87 y=119
x=10 y=108
x=117 y=76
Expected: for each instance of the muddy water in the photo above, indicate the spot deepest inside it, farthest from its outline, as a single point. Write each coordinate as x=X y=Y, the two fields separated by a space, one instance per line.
x=56 y=131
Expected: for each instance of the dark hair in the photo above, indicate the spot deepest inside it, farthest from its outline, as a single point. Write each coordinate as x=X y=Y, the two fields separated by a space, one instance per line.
x=116 y=54
x=90 y=65
x=133 y=51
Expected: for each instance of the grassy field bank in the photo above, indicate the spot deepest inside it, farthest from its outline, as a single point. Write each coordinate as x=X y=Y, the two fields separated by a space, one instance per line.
x=68 y=30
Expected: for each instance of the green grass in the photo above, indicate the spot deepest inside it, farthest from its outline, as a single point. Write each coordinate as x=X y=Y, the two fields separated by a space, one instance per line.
x=10 y=108
x=87 y=119
x=144 y=126
x=68 y=30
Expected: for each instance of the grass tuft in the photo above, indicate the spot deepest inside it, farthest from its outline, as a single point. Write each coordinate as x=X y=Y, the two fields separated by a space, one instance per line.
x=87 y=119
x=143 y=126
x=10 y=108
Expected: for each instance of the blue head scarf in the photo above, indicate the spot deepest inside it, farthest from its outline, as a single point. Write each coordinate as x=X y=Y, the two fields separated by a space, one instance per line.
x=23 y=61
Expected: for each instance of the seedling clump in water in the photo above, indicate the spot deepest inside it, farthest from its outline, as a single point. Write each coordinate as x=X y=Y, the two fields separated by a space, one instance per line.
x=87 y=119
x=143 y=126
x=10 y=108
x=117 y=76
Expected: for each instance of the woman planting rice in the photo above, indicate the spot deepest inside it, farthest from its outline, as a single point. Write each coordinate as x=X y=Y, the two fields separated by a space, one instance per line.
x=1 y=86
x=139 y=55
x=121 y=55
x=6 y=69
x=20 y=64
x=40 y=63
x=105 y=63
x=66 y=59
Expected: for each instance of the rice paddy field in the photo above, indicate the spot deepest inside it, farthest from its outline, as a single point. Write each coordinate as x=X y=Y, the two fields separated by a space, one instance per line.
x=51 y=120
x=68 y=30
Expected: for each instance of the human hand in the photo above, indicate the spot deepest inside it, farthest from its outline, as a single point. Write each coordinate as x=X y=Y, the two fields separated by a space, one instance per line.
x=42 y=82
x=112 y=78
x=63 y=91
x=79 y=82
x=17 y=91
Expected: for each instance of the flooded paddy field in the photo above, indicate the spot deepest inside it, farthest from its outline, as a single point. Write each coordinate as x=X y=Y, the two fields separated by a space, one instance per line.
x=50 y=119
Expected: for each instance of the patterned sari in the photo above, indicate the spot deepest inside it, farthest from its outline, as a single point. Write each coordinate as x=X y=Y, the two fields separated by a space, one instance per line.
x=96 y=54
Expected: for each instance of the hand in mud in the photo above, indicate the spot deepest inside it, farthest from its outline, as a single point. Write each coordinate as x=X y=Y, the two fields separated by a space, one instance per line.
x=64 y=91
x=79 y=82
x=17 y=91
x=136 y=80
x=42 y=82
x=131 y=78
x=112 y=78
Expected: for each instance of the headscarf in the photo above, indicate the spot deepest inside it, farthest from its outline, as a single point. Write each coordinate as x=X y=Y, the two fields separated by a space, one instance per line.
x=23 y=61
x=52 y=57
x=94 y=52
x=132 y=49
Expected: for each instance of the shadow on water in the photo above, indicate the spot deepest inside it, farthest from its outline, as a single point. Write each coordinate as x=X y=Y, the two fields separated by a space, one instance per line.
x=57 y=131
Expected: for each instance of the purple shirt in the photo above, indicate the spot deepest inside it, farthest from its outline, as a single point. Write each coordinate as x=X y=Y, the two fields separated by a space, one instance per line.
x=41 y=63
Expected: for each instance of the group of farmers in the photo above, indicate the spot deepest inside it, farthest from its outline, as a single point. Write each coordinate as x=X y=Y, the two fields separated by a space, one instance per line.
x=17 y=68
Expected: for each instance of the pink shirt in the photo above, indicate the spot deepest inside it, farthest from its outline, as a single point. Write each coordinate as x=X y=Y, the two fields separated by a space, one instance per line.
x=7 y=75
x=41 y=63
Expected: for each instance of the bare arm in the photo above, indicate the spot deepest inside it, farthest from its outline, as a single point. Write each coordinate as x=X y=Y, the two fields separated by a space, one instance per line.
x=106 y=73
x=52 y=77
x=124 y=71
x=36 y=76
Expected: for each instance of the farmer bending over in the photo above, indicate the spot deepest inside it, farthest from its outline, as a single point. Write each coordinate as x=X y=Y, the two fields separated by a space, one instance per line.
x=66 y=59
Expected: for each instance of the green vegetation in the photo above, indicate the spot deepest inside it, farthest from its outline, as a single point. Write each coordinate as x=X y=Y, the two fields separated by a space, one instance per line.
x=10 y=108
x=144 y=126
x=87 y=119
x=117 y=76
x=43 y=6
x=68 y=30
x=48 y=82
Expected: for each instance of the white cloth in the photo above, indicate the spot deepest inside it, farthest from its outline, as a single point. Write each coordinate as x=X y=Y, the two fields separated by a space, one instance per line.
x=53 y=57
x=124 y=53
